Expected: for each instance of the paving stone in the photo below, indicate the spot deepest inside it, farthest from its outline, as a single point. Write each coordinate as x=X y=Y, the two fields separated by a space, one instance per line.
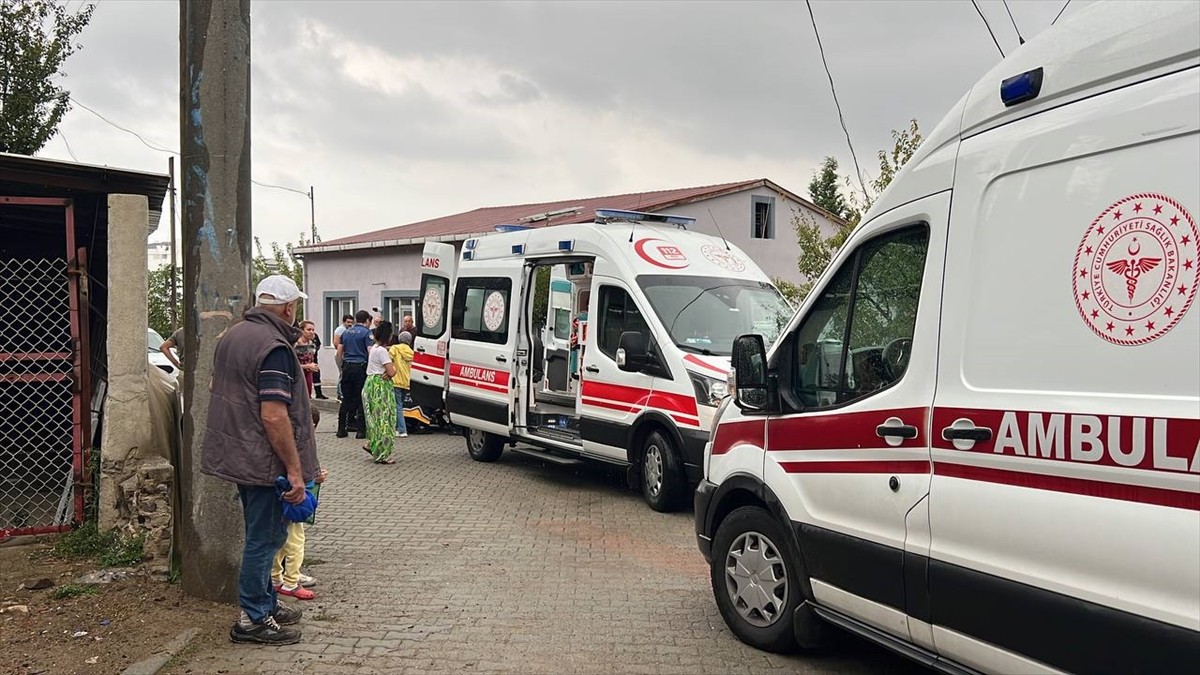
x=440 y=564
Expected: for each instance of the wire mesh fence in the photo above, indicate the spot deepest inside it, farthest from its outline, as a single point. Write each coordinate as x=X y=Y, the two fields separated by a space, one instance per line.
x=37 y=397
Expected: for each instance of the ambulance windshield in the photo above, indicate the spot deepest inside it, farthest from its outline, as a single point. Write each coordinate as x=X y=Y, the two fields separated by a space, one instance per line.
x=704 y=314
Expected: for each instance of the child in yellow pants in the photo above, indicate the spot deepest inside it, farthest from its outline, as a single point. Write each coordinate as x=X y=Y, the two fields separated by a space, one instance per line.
x=285 y=572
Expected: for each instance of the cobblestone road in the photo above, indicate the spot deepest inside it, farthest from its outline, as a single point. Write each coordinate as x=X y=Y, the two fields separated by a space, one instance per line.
x=443 y=564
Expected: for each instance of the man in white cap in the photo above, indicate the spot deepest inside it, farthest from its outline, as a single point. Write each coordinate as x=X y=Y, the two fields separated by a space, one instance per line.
x=259 y=428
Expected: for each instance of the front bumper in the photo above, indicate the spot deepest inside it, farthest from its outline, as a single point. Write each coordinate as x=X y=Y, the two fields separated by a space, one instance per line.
x=703 y=499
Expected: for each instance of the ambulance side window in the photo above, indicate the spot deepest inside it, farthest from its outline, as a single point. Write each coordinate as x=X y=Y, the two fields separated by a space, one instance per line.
x=431 y=307
x=857 y=338
x=618 y=314
x=480 y=312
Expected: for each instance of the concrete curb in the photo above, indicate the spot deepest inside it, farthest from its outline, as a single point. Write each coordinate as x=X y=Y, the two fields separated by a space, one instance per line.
x=155 y=663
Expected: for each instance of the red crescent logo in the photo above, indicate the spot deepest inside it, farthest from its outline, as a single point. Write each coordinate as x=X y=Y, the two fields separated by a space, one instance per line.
x=666 y=255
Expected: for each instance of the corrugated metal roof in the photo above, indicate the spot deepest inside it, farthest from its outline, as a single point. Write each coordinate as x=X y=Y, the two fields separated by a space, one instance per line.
x=482 y=220
x=24 y=176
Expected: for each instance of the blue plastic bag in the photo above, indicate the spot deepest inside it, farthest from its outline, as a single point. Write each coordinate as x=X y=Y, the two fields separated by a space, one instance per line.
x=296 y=513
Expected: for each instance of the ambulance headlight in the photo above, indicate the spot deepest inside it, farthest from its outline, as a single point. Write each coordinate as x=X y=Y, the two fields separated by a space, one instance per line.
x=709 y=390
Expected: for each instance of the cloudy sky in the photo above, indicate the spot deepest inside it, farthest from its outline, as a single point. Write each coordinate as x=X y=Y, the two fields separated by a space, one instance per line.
x=401 y=111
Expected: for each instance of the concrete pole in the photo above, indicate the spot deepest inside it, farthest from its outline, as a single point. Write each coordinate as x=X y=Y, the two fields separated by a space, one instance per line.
x=215 y=163
x=174 y=259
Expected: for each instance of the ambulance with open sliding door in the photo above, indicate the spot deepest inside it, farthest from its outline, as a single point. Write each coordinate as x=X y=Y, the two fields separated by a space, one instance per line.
x=607 y=341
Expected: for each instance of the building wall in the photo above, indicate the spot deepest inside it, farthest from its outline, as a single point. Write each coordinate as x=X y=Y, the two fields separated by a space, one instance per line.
x=735 y=214
x=368 y=277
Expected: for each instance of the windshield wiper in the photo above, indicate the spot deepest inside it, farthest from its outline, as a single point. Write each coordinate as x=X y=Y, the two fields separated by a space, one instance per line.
x=693 y=348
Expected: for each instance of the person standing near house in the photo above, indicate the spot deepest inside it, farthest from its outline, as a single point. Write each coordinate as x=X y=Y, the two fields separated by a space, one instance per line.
x=316 y=338
x=379 y=400
x=347 y=322
x=401 y=352
x=259 y=428
x=355 y=343
x=407 y=325
x=306 y=352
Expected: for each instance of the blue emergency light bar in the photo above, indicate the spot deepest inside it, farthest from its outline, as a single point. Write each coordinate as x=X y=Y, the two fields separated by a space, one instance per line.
x=566 y=245
x=1021 y=88
x=470 y=244
x=508 y=227
x=518 y=249
x=620 y=215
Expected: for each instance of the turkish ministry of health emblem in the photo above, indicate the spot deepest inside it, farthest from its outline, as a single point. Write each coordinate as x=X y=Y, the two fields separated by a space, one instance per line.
x=1135 y=271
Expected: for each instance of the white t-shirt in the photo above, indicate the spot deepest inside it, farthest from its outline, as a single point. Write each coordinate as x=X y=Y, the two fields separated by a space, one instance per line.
x=377 y=359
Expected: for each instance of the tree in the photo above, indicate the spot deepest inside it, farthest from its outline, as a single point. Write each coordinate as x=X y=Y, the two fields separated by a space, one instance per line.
x=36 y=38
x=824 y=190
x=280 y=262
x=158 y=298
x=817 y=250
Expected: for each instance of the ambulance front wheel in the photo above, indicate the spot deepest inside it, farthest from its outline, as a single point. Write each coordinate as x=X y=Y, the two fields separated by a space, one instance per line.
x=483 y=446
x=755 y=580
x=663 y=481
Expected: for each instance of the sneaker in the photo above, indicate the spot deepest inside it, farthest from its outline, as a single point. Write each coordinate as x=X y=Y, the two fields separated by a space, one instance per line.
x=269 y=632
x=402 y=434
x=342 y=433
x=285 y=615
x=298 y=592
x=307 y=581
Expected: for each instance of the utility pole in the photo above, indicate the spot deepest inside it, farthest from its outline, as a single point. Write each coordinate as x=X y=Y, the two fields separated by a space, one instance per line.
x=174 y=259
x=312 y=210
x=214 y=128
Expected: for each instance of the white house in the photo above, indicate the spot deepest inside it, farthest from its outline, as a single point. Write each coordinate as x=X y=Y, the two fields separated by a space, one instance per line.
x=382 y=268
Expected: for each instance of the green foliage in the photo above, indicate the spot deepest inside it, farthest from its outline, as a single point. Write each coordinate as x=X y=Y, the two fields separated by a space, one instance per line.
x=280 y=261
x=110 y=549
x=36 y=38
x=74 y=591
x=158 y=299
x=817 y=250
x=824 y=189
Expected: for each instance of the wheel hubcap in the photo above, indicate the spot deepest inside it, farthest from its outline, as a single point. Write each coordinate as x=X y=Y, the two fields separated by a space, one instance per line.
x=476 y=438
x=653 y=470
x=756 y=579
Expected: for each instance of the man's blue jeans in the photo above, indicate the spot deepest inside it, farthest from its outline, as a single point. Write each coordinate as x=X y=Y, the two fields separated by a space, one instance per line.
x=266 y=531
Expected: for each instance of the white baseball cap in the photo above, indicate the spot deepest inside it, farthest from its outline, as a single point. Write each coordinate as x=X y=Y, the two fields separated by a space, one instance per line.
x=278 y=290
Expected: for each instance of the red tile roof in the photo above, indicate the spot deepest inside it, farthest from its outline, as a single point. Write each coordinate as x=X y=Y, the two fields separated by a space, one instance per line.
x=484 y=219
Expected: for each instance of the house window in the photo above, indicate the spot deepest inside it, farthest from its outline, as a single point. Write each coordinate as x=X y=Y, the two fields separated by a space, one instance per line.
x=337 y=305
x=763 y=218
x=397 y=305
x=481 y=309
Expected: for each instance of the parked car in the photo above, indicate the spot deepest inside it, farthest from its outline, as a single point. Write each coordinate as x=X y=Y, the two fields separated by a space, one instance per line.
x=157 y=358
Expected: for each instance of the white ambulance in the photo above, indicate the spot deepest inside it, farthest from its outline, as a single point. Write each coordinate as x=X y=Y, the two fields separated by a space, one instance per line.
x=978 y=441
x=607 y=340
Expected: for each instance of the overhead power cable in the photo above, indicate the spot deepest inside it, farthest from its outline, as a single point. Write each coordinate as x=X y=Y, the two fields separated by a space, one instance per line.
x=841 y=118
x=1020 y=38
x=1064 y=8
x=988 y=26
x=66 y=143
x=148 y=144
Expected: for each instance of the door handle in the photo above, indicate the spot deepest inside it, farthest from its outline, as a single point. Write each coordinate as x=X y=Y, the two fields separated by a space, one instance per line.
x=898 y=431
x=963 y=434
x=421 y=349
x=967 y=434
x=592 y=369
x=502 y=359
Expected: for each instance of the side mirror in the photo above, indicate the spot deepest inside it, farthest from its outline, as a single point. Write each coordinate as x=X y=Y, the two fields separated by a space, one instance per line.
x=750 y=389
x=631 y=352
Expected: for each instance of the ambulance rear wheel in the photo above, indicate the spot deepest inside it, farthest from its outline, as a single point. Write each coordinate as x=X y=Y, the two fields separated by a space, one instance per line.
x=483 y=446
x=663 y=481
x=755 y=580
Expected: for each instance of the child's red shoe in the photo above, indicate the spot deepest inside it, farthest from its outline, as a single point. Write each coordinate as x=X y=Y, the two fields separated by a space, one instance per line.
x=299 y=592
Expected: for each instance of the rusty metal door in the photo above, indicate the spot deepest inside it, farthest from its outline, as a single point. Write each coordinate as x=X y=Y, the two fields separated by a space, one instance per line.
x=43 y=387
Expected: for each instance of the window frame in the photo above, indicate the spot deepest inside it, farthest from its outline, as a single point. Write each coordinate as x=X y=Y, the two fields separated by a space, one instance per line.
x=600 y=323
x=389 y=298
x=333 y=315
x=419 y=315
x=791 y=364
x=486 y=284
x=769 y=226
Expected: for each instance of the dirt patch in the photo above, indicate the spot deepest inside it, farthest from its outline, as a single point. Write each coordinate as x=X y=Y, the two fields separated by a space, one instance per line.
x=125 y=621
